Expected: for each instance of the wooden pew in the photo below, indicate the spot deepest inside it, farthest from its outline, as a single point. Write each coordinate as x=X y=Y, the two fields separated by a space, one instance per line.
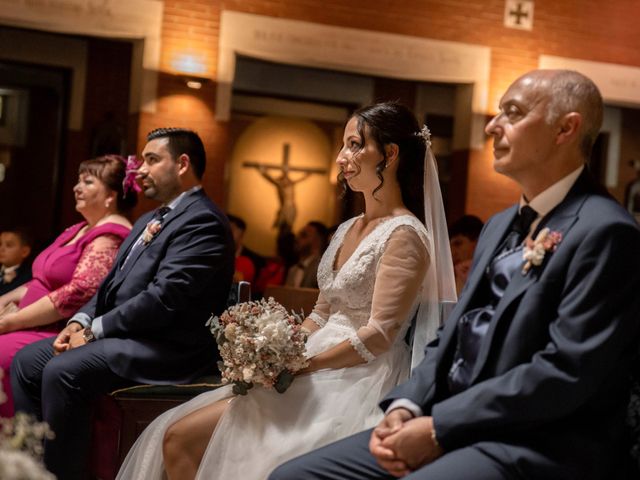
x=121 y=416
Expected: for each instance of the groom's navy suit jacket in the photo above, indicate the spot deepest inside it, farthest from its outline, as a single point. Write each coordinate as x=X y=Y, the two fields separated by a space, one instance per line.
x=154 y=308
x=550 y=385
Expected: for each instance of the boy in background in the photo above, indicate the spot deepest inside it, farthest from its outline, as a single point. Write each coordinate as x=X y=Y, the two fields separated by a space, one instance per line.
x=15 y=248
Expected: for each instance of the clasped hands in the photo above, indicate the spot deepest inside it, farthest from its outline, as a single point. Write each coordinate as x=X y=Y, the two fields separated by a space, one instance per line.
x=70 y=337
x=402 y=443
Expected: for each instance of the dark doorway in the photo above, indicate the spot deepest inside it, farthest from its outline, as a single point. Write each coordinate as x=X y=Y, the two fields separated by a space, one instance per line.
x=32 y=146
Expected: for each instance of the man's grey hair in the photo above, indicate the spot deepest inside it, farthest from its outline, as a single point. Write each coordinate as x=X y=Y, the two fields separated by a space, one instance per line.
x=570 y=91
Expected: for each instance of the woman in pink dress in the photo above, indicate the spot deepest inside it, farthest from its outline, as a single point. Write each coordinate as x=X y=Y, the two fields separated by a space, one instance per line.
x=68 y=272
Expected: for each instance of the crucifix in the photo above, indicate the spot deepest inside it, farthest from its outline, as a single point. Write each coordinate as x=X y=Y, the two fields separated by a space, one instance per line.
x=284 y=185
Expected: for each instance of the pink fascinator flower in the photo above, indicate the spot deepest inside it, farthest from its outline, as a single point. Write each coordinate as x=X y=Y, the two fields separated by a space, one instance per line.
x=131 y=170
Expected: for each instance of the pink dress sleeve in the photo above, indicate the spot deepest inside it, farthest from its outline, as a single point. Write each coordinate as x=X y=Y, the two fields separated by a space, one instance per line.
x=94 y=264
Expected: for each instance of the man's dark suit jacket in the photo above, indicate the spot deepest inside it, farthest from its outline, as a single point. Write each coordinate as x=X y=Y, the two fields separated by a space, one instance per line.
x=551 y=381
x=23 y=275
x=310 y=278
x=154 y=309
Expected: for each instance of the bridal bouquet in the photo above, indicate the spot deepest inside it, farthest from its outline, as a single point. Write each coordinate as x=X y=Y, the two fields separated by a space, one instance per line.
x=260 y=343
x=20 y=446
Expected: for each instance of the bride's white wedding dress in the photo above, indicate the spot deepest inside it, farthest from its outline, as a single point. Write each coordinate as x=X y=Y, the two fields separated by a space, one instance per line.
x=369 y=302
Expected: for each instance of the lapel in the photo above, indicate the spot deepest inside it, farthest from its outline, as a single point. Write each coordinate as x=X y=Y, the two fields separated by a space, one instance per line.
x=560 y=219
x=121 y=273
x=494 y=238
x=136 y=230
x=128 y=242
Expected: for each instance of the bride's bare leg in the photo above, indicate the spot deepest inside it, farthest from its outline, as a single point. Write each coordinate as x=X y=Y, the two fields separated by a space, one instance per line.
x=186 y=441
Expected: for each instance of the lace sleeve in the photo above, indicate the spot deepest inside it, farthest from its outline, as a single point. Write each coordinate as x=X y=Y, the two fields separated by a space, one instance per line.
x=320 y=311
x=94 y=264
x=399 y=278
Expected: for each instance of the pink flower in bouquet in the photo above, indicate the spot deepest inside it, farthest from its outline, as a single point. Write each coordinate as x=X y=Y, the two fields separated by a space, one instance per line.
x=260 y=343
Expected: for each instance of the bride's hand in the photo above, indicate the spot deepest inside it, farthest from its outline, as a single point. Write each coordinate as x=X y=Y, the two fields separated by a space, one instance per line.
x=308 y=369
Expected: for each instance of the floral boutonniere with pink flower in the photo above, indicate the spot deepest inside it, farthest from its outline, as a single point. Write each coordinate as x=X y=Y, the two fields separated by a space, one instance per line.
x=151 y=230
x=535 y=250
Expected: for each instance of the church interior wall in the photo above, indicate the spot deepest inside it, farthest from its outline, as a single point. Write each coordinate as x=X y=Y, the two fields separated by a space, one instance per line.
x=190 y=34
x=580 y=29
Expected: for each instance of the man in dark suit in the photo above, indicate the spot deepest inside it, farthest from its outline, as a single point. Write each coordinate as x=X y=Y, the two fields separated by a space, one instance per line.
x=146 y=323
x=310 y=244
x=529 y=377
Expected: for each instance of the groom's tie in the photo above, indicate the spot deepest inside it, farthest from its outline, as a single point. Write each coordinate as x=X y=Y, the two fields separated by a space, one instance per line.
x=519 y=228
x=474 y=324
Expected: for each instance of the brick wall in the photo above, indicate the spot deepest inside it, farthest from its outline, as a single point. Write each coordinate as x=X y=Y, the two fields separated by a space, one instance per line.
x=584 y=29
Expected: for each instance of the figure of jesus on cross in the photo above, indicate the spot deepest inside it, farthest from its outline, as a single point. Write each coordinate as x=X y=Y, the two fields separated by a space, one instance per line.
x=285 y=187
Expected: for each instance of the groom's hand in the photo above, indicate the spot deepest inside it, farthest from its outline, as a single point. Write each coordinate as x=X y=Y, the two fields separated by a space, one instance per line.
x=77 y=339
x=414 y=444
x=61 y=343
x=385 y=456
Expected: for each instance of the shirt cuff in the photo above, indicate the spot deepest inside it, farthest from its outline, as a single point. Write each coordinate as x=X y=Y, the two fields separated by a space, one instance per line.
x=96 y=327
x=81 y=318
x=406 y=404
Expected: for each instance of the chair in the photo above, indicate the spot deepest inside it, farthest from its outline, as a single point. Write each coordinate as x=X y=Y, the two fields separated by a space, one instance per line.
x=120 y=417
x=293 y=298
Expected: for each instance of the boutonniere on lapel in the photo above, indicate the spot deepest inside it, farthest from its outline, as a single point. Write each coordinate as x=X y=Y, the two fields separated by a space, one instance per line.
x=535 y=250
x=155 y=225
x=150 y=231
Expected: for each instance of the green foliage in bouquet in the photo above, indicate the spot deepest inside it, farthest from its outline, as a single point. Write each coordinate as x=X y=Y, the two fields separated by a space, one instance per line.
x=260 y=344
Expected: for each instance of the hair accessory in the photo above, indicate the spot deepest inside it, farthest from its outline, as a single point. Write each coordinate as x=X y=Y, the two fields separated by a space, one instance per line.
x=131 y=165
x=426 y=134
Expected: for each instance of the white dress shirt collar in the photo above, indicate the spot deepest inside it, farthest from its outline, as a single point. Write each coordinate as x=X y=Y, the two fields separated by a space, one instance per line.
x=550 y=198
x=176 y=201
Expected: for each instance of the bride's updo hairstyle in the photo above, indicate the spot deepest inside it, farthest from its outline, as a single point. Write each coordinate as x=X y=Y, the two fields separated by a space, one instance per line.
x=391 y=122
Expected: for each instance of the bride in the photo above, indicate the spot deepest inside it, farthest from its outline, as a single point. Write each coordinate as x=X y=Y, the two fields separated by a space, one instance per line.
x=379 y=266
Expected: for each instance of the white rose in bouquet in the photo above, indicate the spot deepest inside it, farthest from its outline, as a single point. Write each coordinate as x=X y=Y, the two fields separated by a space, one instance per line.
x=260 y=343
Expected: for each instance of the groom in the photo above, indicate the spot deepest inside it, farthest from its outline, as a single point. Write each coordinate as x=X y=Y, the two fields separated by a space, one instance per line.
x=528 y=378
x=146 y=323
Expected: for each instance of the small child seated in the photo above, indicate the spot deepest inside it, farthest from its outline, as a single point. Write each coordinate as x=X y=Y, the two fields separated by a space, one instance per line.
x=15 y=248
